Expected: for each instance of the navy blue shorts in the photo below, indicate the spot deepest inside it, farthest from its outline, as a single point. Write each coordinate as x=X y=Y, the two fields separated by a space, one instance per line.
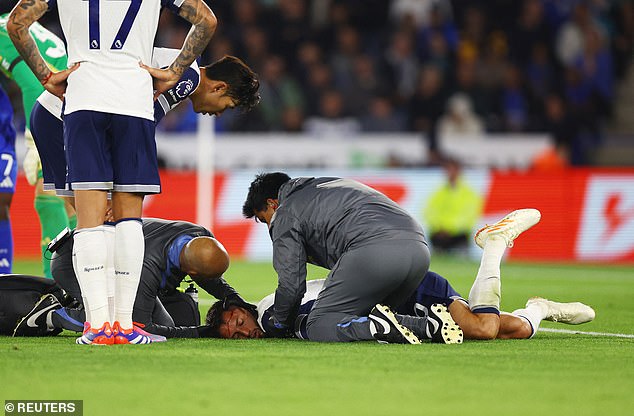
x=48 y=134
x=433 y=289
x=110 y=152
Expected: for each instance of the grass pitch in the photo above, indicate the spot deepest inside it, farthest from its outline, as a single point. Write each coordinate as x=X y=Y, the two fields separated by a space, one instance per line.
x=552 y=374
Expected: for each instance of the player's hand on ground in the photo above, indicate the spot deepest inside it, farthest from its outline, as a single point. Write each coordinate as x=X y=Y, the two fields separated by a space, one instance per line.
x=205 y=331
x=164 y=79
x=57 y=82
x=276 y=329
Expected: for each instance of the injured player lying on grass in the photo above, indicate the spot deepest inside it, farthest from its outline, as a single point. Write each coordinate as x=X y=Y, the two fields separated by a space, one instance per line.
x=476 y=322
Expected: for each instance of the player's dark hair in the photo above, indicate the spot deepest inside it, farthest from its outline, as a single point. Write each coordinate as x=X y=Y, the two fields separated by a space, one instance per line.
x=214 y=318
x=243 y=83
x=264 y=186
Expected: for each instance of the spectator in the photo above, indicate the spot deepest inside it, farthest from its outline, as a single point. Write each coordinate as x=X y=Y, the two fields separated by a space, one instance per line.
x=320 y=79
x=570 y=36
x=460 y=118
x=452 y=211
x=531 y=30
x=365 y=84
x=348 y=48
x=426 y=106
x=279 y=92
x=382 y=117
x=332 y=122
x=418 y=10
x=403 y=64
x=540 y=73
x=563 y=131
x=514 y=102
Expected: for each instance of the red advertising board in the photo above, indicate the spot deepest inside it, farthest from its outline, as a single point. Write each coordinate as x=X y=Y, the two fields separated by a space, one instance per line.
x=587 y=214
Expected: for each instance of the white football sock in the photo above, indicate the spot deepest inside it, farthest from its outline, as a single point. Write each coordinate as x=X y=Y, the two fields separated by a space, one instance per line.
x=486 y=290
x=128 y=262
x=534 y=313
x=89 y=253
x=110 y=279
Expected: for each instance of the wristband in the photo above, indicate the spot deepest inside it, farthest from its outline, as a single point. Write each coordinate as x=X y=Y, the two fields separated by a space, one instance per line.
x=45 y=80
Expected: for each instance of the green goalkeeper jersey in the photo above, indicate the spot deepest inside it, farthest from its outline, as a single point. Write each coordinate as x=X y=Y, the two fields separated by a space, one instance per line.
x=53 y=51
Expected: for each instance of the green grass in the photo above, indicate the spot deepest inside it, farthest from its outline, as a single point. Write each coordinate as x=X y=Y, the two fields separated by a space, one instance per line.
x=552 y=374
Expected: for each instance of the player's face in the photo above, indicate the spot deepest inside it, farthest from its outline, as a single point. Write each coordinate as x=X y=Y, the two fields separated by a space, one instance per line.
x=237 y=323
x=215 y=105
x=266 y=215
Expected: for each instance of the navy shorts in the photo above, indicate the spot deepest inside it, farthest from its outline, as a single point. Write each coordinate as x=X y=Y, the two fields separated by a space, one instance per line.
x=433 y=289
x=110 y=152
x=48 y=134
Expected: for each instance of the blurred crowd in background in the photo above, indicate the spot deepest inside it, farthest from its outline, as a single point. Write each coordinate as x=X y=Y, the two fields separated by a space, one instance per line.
x=435 y=67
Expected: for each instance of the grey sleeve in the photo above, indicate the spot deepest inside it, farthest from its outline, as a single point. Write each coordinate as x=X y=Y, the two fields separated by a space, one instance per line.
x=143 y=313
x=289 y=261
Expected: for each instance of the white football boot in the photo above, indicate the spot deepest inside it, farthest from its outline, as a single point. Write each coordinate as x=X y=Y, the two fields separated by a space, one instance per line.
x=573 y=313
x=509 y=227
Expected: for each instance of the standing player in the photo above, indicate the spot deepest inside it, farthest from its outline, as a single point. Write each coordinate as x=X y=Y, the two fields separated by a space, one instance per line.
x=8 y=174
x=109 y=133
x=226 y=83
x=50 y=209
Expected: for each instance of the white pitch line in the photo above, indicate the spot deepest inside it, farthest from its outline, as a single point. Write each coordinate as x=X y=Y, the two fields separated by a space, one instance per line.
x=596 y=334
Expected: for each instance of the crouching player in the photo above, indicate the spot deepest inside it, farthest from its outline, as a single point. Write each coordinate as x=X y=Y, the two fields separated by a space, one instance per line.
x=174 y=249
x=479 y=318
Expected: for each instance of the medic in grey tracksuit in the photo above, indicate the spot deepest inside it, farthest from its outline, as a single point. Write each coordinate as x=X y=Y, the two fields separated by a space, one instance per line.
x=375 y=251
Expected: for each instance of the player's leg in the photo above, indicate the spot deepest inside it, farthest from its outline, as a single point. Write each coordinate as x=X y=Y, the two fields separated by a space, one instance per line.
x=135 y=168
x=362 y=278
x=128 y=255
x=484 y=297
x=90 y=176
x=524 y=323
x=48 y=134
x=51 y=212
x=435 y=289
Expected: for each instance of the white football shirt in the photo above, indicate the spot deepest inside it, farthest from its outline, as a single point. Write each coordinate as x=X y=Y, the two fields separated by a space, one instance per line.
x=109 y=38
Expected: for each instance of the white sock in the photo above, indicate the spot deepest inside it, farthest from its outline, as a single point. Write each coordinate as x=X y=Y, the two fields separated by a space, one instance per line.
x=486 y=290
x=110 y=280
x=128 y=262
x=534 y=314
x=89 y=253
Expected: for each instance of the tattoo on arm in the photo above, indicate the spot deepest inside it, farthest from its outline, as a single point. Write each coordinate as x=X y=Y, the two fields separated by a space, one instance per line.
x=203 y=27
x=22 y=17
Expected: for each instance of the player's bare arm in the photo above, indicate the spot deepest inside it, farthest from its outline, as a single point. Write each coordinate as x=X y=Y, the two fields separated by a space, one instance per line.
x=204 y=24
x=23 y=15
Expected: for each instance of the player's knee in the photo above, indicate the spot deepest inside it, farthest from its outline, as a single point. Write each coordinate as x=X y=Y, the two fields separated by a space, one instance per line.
x=319 y=330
